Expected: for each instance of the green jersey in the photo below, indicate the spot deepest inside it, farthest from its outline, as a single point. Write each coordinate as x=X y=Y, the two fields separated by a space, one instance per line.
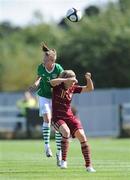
x=45 y=89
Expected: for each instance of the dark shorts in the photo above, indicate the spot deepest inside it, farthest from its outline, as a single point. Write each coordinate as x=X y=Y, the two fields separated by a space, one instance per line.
x=73 y=123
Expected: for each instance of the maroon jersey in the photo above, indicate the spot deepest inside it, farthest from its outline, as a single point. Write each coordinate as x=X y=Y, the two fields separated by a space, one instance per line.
x=61 y=101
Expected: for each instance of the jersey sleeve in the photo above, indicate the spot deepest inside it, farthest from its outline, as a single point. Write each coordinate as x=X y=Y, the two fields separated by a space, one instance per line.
x=60 y=69
x=38 y=71
x=77 y=89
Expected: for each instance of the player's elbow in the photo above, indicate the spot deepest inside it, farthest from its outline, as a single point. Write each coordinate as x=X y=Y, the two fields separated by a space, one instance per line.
x=90 y=88
x=52 y=83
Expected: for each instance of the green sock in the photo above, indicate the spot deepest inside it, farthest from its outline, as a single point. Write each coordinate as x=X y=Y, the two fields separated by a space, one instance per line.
x=58 y=141
x=46 y=134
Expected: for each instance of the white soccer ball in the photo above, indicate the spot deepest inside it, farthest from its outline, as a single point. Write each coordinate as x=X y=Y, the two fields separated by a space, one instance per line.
x=74 y=15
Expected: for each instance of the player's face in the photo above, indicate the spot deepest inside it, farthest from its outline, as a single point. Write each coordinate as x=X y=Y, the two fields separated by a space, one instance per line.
x=72 y=82
x=49 y=60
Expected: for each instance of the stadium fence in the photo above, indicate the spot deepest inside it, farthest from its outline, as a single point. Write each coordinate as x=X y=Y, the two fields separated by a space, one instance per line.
x=102 y=112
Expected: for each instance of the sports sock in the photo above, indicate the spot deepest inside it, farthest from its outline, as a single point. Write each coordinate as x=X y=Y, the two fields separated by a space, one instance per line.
x=64 y=147
x=58 y=141
x=86 y=153
x=46 y=134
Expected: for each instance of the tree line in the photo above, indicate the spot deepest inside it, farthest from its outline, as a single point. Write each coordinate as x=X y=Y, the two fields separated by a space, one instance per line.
x=99 y=43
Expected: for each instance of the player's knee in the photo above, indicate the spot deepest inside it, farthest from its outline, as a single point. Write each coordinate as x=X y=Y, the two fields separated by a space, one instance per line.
x=81 y=135
x=66 y=133
x=47 y=118
x=46 y=124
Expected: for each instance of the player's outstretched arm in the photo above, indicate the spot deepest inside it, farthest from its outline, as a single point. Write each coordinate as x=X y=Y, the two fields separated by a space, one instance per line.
x=35 y=85
x=89 y=86
x=57 y=81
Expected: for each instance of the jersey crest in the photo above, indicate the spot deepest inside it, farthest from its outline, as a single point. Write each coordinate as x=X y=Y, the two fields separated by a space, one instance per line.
x=54 y=76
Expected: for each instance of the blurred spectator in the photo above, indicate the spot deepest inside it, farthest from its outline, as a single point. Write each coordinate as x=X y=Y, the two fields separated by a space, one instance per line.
x=28 y=101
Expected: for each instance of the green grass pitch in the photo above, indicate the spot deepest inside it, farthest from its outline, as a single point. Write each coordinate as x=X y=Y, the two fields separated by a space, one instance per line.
x=25 y=160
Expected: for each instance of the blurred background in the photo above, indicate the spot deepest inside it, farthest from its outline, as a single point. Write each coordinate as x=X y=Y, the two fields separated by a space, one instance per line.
x=99 y=43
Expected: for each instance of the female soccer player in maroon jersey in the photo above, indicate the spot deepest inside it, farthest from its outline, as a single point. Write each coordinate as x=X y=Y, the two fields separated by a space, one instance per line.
x=62 y=117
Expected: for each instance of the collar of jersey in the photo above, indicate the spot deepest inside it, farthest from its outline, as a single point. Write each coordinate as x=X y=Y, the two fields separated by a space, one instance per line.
x=51 y=70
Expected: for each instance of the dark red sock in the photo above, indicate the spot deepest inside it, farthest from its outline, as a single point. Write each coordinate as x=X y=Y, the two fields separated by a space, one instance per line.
x=64 y=147
x=86 y=153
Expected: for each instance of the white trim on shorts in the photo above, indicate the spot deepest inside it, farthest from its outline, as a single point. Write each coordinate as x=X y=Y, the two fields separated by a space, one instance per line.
x=45 y=106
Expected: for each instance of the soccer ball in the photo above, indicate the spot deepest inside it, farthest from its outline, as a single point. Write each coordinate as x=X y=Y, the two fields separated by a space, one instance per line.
x=74 y=15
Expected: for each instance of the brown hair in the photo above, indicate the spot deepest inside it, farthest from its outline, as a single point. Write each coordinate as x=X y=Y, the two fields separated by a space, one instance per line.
x=48 y=52
x=67 y=74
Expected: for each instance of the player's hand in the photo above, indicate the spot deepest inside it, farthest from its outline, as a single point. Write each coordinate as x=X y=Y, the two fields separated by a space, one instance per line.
x=88 y=75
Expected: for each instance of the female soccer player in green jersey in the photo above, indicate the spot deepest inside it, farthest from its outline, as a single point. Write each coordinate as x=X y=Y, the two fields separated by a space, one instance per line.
x=46 y=71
